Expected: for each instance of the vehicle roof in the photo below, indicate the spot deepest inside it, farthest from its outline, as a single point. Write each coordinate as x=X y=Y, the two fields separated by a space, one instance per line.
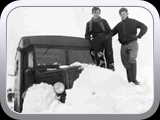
x=65 y=41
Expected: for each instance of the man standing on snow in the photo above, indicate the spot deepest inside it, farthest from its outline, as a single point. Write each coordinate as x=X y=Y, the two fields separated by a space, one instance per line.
x=127 y=33
x=99 y=32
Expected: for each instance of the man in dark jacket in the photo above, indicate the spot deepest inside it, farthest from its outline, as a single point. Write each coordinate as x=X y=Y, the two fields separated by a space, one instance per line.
x=127 y=33
x=99 y=32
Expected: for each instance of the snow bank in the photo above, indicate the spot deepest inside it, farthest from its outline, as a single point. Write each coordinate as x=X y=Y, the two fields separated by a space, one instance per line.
x=104 y=91
x=96 y=91
x=38 y=98
x=89 y=82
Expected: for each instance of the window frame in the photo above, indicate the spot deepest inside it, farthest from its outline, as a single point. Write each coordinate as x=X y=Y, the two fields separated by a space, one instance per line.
x=65 y=48
x=46 y=46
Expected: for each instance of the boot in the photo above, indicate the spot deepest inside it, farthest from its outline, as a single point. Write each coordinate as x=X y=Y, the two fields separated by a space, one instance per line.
x=102 y=64
x=111 y=67
x=94 y=57
x=134 y=73
x=101 y=59
x=129 y=74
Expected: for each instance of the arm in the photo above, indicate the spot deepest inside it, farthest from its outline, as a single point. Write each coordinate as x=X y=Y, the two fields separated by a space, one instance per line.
x=107 y=28
x=143 y=29
x=87 y=34
x=114 y=30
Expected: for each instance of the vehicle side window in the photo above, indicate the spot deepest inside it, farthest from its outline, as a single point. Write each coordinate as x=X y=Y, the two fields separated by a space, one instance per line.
x=16 y=68
x=82 y=56
x=30 y=59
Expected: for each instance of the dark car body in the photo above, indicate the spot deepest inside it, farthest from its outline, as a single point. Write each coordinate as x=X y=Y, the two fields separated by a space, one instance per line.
x=35 y=62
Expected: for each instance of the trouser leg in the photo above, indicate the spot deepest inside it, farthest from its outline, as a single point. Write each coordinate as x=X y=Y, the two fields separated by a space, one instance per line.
x=125 y=56
x=107 y=45
x=97 y=48
x=125 y=62
x=133 y=50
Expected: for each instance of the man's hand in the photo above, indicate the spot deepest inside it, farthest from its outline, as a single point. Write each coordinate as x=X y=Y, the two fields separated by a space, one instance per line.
x=134 y=36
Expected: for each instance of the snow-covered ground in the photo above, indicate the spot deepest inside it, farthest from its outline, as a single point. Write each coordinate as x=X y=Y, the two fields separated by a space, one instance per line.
x=96 y=91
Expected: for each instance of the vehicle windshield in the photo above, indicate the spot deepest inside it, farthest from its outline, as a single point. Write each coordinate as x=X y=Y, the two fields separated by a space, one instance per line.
x=49 y=56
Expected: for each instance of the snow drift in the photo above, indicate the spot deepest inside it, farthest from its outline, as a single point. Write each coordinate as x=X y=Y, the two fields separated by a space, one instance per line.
x=96 y=91
x=38 y=98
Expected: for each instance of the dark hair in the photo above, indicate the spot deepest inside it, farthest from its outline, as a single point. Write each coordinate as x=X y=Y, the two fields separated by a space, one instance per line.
x=95 y=9
x=123 y=10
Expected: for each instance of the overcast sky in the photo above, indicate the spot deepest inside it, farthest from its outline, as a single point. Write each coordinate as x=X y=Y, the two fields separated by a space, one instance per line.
x=71 y=21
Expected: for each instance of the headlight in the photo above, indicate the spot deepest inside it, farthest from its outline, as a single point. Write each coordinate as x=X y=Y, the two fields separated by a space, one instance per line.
x=59 y=87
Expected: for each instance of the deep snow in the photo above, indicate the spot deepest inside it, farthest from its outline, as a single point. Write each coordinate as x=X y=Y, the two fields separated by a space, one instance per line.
x=96 y=91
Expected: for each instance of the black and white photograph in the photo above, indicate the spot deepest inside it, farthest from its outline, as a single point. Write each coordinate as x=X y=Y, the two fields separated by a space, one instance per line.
x=80 y=60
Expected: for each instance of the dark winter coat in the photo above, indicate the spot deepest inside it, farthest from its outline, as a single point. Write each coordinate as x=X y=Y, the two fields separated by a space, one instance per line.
x=127 y=30
x=97 y=29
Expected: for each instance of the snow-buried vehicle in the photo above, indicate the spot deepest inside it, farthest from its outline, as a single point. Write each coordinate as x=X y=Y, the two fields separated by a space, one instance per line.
x=39 y=59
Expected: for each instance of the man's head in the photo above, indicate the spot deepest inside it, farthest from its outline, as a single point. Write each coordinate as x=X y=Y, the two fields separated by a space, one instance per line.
x=123 y=12
x=96 y=12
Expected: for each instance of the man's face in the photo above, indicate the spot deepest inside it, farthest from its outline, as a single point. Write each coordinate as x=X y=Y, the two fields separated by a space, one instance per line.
x=124 y=15
x=96 y=13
